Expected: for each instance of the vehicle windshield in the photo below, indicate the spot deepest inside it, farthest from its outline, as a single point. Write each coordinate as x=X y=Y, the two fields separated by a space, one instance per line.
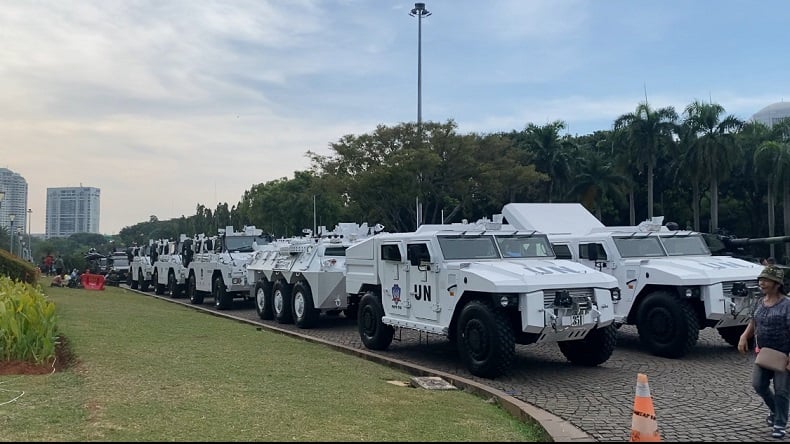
x=120 y=261
x=521 y=246
x=685 y=245
x=639 y=246
x=243 y=244
x=468 y=247
x=489 y=247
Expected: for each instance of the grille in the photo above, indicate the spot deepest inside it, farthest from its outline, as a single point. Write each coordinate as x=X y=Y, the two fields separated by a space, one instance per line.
x=581 y=297
x=727 y=286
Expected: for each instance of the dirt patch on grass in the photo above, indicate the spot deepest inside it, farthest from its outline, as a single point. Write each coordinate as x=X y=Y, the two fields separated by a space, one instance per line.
x=63 y=359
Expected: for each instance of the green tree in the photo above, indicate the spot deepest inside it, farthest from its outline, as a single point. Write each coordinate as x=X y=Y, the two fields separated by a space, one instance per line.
x=715 y=137
x=647 y=131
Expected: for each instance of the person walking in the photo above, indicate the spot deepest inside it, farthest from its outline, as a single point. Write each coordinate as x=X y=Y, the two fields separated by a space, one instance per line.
x=59 y=265
x=770 y=327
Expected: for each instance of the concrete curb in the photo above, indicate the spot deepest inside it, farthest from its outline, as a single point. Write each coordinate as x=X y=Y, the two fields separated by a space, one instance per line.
x=558 y=429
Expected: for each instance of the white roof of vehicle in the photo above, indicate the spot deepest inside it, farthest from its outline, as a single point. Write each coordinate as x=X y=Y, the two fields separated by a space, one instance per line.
x=570 y=219
x=551 y=218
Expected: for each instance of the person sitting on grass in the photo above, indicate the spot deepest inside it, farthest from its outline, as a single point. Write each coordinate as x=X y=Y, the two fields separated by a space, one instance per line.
x=57 y=281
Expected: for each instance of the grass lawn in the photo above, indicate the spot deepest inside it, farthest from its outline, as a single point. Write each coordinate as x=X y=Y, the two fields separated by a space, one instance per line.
x=148 y=370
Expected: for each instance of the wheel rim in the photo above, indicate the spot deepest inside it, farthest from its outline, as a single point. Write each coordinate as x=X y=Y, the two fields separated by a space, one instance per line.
x=659 y=321
x=299 y=304
x=260 y=299
x=278 y=301
x=369 y=322
x=475 y=339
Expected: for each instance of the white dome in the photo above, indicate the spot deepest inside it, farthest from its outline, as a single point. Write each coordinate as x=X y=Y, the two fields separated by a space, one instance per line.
x=773 y=113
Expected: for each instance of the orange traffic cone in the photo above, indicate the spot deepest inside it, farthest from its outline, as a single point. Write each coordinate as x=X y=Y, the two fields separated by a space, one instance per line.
x=644 y=427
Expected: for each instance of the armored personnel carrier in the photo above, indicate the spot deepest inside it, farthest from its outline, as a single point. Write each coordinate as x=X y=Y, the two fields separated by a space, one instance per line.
x=485 y=286
x=671 y=284
x=298 y=279
x=217 y=265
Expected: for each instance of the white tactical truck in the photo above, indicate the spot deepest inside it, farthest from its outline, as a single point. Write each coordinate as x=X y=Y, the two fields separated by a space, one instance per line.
x=297 y=279
x=170 y=273
x=141 y=266
x=217 y=265
x=671 y=286
x=484 y=286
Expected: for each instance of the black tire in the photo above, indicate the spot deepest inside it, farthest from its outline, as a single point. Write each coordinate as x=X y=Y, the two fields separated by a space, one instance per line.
x=158 y=288
x=667 y=325
x=173 y=289
x=732 y=335
x=595 y=349
x=195 y=297
x=485 y=340
x=131 y=281
x=303 y=308
x=374 y=333
x=222 y=300
x=263 y=300
x=141 y=282
x=281 y=302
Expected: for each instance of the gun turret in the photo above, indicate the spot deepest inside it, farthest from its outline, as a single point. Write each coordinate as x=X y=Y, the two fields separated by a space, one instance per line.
x=728 y=245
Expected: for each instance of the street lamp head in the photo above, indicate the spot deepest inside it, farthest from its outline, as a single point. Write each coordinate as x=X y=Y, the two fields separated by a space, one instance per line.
x=11 y=217
x=419 y=10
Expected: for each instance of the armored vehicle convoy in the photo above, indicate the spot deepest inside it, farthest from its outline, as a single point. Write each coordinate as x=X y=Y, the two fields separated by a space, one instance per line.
x=485 y=286
x=671 y=285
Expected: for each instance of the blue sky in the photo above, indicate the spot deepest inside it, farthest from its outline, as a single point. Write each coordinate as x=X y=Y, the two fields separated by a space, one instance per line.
x=167 y=104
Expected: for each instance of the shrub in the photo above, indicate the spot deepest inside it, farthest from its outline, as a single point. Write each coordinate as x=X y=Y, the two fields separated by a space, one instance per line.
x=27 y=322
x=16 y=268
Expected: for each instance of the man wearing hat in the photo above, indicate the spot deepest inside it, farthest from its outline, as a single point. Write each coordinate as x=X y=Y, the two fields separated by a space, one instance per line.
x=770 y=326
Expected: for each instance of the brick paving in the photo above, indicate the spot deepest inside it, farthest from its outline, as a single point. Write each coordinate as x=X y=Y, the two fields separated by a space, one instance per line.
x=705 y=396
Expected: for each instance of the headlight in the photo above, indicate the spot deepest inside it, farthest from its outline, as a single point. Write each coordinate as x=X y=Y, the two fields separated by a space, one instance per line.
x=503 y=301
x=691 y=292
x=615 y=294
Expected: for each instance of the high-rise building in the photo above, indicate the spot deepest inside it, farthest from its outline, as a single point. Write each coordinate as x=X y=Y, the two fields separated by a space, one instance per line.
x=14 y=201
x=72 y=210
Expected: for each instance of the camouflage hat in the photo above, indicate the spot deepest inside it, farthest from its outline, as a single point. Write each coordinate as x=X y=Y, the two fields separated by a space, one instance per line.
x=772 y=273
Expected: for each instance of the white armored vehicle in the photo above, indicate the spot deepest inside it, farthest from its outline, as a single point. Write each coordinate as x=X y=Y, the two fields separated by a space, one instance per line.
x=141 y=266
x=484 y=286
x=217 y=265
x=671 y=286
x=170 y=273
x=297 y=279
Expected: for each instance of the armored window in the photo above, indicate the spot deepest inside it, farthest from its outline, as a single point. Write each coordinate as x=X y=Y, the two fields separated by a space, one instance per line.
x=562 y=251
x=584 y=251
x=417 y=253
x=390 y=253
x=335 y=251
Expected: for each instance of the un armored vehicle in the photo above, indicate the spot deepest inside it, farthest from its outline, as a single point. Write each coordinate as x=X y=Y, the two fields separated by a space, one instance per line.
x=170 y=273
x=298 y=279
x=671 y=285
x=141 y=266
x=217 y=265
x=485 y=286
x=117 y=268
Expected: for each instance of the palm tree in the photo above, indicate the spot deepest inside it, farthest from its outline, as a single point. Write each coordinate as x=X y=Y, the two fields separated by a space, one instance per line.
x=767 y=157
x=596 y=180
x=689 y=165
x=550 y=151
x=648 y=131
x=716 y=139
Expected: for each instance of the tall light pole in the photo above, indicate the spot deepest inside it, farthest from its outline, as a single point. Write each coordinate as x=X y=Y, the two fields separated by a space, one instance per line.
x=29 y=244
x=419 y=11
x=11 y=232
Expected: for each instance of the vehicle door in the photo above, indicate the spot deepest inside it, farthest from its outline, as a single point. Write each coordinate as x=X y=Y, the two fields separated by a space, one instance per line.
x=423 y=281
x=394 y=279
